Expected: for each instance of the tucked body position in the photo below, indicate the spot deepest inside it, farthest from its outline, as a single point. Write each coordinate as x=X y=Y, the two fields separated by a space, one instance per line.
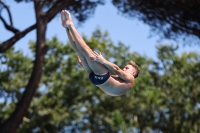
x=97 y=67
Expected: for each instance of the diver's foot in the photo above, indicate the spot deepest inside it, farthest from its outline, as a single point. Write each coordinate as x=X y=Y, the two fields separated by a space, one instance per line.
x=66 y=19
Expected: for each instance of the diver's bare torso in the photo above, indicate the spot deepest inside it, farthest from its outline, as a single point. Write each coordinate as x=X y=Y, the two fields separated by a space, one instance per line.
x=115 y=86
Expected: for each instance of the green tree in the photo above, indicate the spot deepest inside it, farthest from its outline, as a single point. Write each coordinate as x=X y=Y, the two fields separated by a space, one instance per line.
x=45 y=11
x=65 y=98
x=171 y=19
x=168 y=100
x=165 y=97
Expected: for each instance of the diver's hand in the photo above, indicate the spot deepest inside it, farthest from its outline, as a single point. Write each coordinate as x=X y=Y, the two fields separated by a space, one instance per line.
x=97 y=57
x=79 y=61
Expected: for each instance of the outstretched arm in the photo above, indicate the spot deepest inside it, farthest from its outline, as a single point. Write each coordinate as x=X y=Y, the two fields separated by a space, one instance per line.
x=112 y=67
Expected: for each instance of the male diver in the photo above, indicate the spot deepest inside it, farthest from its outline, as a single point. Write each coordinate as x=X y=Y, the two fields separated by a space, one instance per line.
x=96 y=66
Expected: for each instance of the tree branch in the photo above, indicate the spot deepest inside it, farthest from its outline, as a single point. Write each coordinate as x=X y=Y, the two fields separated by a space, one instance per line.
x=8 y=27
x=48 y=16
x=22 y=106
x=10 y=42
x=12 y=123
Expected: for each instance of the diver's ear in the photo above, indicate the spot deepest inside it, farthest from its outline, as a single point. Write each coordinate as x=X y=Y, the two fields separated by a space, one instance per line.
x=133 y=73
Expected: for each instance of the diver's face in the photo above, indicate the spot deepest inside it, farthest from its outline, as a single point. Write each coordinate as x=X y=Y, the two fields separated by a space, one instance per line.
x=129 y=69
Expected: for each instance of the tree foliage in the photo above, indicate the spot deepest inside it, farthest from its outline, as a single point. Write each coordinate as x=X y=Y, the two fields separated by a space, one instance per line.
x=171 y=18
x=165 y=96
x=45 y=11
x=49 y=93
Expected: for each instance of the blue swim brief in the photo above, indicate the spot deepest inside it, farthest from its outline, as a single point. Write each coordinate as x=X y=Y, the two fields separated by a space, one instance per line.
x=98 y=79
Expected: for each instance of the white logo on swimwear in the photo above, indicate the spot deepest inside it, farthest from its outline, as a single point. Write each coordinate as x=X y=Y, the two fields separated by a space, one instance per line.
x=96 y=77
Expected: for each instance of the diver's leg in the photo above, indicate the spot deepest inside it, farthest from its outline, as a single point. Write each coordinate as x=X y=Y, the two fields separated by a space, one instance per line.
x=96 y=67
x=81 y=57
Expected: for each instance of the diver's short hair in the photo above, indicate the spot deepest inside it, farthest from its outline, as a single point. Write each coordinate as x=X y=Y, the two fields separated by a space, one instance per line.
x=132 y=63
